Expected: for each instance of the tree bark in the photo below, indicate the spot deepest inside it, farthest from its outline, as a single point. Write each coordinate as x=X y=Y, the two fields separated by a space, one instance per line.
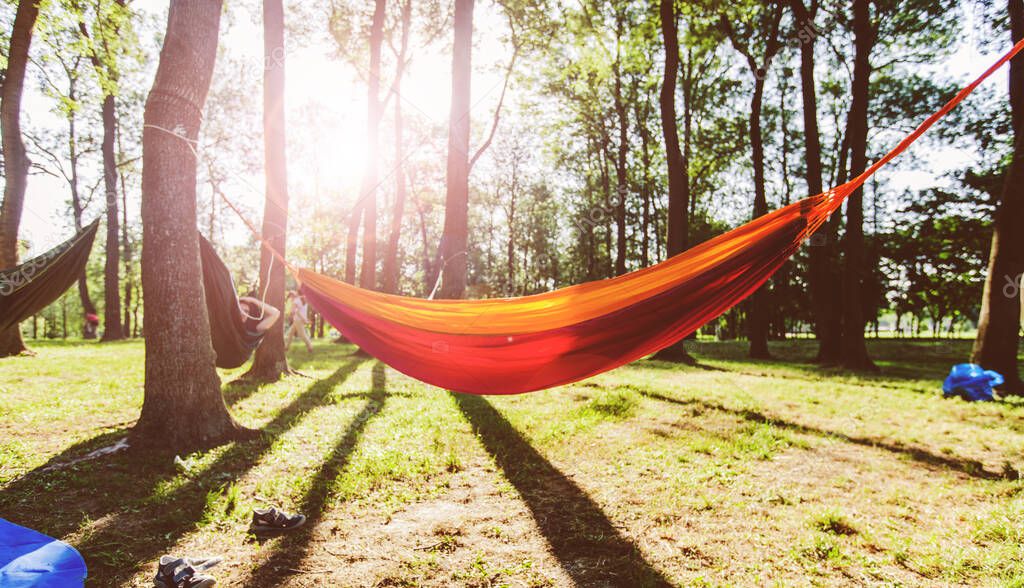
x=642 y=113
x=76 y=203
x=126 y=245
x=112 y=326
x=183 y=407
x=854 y=348
x=270 y=361
x=822 y=251
x=996 y=345
x=452 y=252
x=758 y=309
x=621 y=171
x=355 y=219
x=368 y=275
x=678 y=165
x=758 y=317
x=391 y=266
x=16 y=161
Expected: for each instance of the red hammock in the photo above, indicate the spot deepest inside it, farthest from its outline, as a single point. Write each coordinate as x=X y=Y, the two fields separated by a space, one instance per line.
x=515 y=345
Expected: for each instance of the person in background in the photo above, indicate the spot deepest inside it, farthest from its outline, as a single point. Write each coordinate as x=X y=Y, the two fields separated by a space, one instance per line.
x=258 y=318
x=92 y=324
x=300 y=318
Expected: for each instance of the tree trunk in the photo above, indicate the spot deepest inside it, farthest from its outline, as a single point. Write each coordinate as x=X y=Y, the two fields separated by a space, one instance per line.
x=391 y=263
x=621 y=171
x=112 y=327
x=126 y=245
x=510 y=247
x=368 y=275
x=355 y=219
x=642 y=115
x=688 y=211
x=996 y=345
x=391 y=267
x=76 y=207
x=758 y=317
x=822 y=249
x=183 y=407
x=270 y=362
x=452 y=252
x=678 y=166
x=16 y=161
x=854 y=349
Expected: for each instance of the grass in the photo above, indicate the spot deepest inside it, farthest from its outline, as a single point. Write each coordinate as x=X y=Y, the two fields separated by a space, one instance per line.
x=732 y=472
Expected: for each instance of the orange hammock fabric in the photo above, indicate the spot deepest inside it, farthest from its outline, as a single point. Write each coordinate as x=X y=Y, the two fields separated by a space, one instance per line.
x=516 y=345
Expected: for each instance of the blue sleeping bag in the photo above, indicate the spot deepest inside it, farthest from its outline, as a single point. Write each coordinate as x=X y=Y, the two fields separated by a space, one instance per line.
x=29 y=559
x=971 y=382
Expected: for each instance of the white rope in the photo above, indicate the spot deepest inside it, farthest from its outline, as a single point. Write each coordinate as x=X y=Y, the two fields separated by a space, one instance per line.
x=179 y=132
x=440 y=273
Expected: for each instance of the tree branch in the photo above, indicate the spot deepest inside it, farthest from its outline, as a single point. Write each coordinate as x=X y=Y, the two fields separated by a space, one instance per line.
x=501 y=99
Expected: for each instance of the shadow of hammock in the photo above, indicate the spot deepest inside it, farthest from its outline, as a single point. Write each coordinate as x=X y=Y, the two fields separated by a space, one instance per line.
x=970 y=467
x=586 y=543
x=293 y=548
x=131 y=538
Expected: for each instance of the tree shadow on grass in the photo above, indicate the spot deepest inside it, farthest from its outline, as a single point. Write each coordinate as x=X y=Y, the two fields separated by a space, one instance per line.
x=136 y=511
x=292 y=549
x=586 y=543
x=323 y=355
x=238 y=390
x=806 y=372
x=970 y=467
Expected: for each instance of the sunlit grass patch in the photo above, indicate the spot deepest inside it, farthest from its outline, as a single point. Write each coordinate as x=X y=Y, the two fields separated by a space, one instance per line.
x=776 y=471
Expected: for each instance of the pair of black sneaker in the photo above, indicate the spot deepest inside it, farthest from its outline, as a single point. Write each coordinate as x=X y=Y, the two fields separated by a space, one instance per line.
x=184 y=572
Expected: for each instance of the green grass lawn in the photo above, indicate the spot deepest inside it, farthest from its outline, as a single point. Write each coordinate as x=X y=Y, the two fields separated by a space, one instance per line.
x=729 y=473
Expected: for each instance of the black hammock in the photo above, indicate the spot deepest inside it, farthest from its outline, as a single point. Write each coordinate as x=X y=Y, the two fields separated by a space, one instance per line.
x=32 y=286
x=232 y=340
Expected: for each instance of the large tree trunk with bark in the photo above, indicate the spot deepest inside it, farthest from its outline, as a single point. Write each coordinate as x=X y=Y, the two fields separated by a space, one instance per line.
x=270 y=362
x=854 y=349
x=678 y=165
x=183 y=407
x=997 y=343
x=16 y=161
x=452 y=252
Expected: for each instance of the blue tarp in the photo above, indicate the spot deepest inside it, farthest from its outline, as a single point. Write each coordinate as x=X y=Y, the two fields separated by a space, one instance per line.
x=29 y=559
x=971 y=382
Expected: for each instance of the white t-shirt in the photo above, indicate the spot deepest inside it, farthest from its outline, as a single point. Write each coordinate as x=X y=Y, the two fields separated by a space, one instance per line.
x=299 y=310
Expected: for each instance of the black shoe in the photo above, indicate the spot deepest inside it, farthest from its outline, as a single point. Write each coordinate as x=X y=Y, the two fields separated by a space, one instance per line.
x=271 y=520
x=183 y=572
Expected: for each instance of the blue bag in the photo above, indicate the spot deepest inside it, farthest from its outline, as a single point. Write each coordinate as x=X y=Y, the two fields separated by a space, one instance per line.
x=971 y=382
x=29 y=559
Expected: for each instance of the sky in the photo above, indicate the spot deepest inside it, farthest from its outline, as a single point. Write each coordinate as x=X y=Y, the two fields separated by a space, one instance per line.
x=318 y=81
